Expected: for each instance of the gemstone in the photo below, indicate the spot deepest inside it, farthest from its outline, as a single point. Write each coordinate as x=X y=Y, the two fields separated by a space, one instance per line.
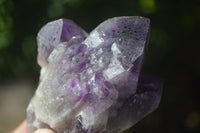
x=92 y=83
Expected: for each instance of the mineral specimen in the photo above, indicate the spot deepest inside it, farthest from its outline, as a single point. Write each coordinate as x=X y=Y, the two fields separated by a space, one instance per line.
x=92 y=83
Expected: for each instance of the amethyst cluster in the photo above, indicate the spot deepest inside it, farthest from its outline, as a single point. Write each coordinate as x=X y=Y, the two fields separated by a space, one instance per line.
x=92 y=83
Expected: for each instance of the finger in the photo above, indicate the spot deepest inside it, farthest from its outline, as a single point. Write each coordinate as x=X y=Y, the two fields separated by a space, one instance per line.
x=21 y=128
x=43 y=130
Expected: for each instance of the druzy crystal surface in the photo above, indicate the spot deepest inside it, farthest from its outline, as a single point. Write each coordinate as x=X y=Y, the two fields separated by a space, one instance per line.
x=92 y=83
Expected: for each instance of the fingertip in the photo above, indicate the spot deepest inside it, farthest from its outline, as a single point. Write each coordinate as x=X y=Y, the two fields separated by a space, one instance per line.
x=44 y=130
x=21 y=128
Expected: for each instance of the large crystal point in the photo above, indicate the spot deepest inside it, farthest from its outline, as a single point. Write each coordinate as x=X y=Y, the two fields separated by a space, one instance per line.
x=92 y=83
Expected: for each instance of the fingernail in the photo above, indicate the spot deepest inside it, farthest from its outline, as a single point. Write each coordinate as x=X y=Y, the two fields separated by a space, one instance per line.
x=43 y=130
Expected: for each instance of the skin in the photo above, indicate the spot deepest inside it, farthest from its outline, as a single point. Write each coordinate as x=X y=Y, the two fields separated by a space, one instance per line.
x=22 y=129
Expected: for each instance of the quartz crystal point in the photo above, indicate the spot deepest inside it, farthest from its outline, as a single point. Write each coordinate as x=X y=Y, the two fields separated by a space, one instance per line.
x=92 y=83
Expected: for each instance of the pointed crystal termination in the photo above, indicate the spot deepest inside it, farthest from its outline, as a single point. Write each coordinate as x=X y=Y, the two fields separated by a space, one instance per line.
x=92 y=83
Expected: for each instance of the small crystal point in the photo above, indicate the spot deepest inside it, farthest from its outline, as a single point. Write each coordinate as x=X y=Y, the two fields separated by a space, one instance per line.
x=53 y=33
x=90 y=83
x=137 y=106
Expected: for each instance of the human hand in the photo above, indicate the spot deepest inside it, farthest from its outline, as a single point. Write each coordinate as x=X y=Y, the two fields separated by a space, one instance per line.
x=22 y=129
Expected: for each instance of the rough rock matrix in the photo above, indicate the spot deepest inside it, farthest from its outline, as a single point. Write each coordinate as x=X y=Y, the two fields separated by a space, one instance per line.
x=92 y=83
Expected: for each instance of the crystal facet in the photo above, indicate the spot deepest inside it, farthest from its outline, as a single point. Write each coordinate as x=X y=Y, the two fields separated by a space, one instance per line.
x=92 y=83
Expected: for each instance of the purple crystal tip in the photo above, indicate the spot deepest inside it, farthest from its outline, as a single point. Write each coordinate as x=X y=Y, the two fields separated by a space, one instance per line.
x=92 y=83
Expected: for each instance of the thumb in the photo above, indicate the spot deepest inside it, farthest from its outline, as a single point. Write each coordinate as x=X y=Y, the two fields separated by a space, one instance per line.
x=44 y=130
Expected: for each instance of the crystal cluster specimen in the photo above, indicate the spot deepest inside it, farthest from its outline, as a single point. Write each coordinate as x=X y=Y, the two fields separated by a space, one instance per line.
x=92 y=83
